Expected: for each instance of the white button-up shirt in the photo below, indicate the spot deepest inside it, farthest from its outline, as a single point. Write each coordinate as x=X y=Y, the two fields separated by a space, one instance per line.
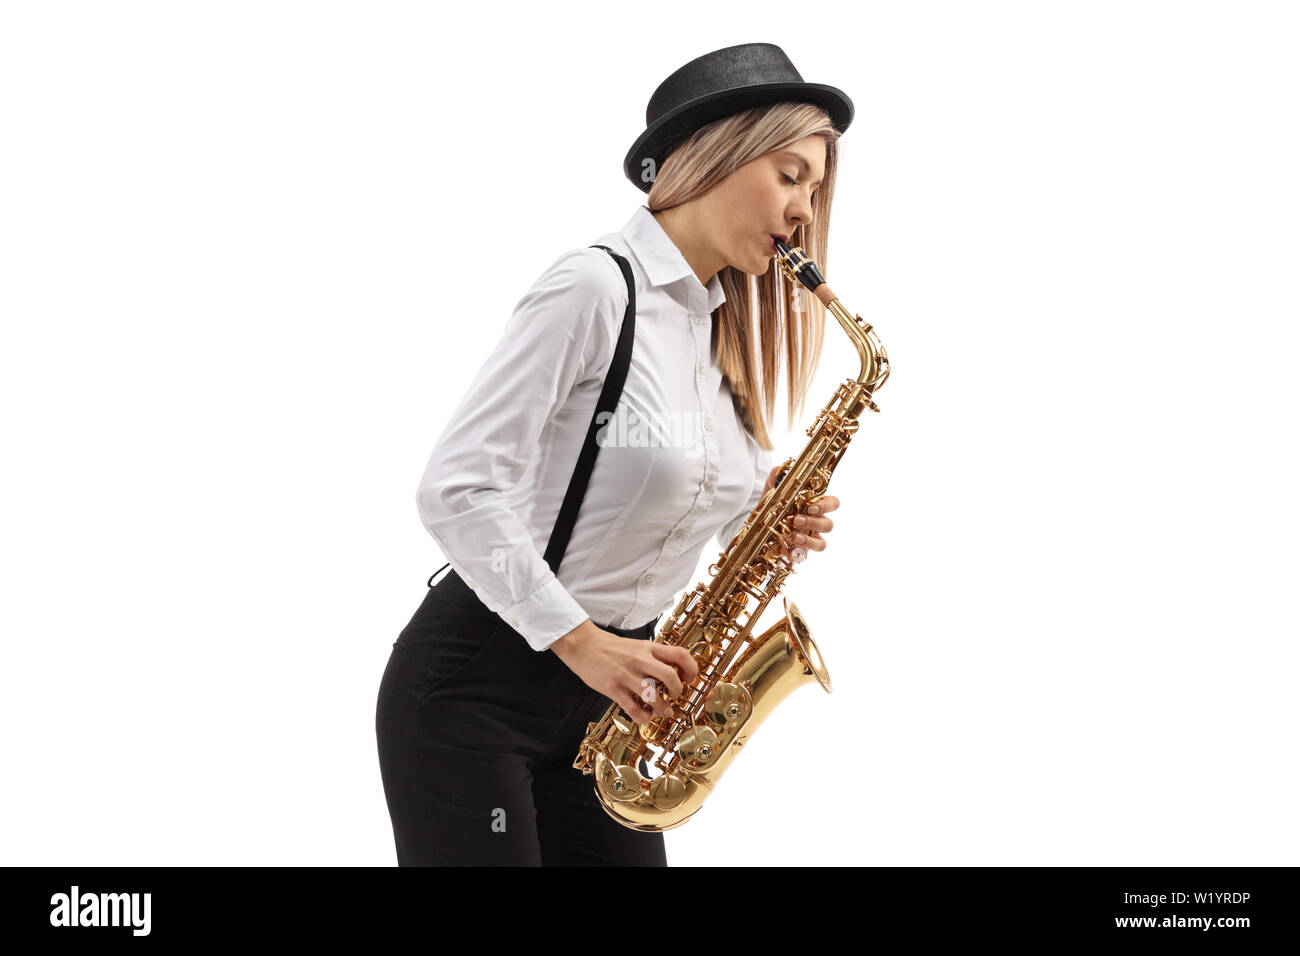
x=675 y=467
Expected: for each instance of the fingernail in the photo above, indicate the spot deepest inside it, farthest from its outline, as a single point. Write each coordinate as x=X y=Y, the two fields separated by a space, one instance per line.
x=800 y=521
x=800 y=539
x=800 y=554
x=813 y=509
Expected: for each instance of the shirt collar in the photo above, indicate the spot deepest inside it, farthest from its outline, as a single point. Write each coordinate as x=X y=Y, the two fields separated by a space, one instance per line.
x=664 y=263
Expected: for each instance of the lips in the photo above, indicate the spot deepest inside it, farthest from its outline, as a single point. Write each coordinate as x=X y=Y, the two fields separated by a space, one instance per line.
x=775 y=235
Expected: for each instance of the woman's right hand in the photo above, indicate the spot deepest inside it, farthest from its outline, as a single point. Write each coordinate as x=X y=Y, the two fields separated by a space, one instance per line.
x=615 y=666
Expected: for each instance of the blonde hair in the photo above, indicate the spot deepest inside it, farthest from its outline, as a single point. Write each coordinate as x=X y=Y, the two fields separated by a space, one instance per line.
x=767 y=302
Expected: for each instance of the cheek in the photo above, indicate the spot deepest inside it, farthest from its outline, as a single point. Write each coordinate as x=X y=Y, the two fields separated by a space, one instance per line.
x=748 y=210
x=739 y=223
x=749 y=197
x=759 y=198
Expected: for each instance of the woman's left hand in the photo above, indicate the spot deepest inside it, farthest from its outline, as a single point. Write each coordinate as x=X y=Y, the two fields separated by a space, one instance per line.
x=810 y=524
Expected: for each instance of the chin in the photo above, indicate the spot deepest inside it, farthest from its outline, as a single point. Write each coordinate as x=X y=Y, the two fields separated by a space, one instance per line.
x=758 y=270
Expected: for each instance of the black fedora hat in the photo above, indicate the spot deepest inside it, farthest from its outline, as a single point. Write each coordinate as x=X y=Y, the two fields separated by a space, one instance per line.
x=719 y=84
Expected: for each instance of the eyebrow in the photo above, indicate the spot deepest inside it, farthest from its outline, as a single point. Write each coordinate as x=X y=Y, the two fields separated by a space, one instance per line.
x=806 y=168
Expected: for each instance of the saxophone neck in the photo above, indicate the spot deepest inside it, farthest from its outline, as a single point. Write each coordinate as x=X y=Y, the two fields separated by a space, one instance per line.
x=871 y=352
x=798 y=267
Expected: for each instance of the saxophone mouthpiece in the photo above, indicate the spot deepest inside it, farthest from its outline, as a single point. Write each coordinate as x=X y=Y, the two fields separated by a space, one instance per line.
x=796 y=265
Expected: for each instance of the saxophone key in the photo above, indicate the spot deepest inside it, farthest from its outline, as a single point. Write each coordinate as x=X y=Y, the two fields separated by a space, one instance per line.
x=668 y=791
x=698 y=747
x=617 y=781
x=728 y=704
x=702 y=651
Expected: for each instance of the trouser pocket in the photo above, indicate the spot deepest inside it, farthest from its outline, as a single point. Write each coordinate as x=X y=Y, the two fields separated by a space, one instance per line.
x=448 y=655
x=443 y=641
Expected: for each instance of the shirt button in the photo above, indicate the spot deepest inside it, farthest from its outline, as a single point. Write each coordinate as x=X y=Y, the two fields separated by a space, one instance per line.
x=708 y=425
x=697 y=319
x=679 y=533
x=648 y=578
x=708 y=486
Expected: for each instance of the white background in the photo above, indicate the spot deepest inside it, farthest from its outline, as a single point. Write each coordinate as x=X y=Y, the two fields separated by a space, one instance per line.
x=252 y=253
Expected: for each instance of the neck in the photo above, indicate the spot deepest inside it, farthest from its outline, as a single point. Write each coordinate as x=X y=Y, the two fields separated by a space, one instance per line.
x=687 y=235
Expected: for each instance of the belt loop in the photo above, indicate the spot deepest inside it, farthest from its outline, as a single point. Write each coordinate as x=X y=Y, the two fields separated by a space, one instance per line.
x=435 y=573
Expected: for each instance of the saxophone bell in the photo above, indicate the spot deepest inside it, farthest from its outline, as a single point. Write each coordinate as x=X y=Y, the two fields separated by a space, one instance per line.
x=775 y=664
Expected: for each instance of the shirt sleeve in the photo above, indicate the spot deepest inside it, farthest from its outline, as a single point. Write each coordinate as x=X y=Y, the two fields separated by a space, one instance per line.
x=763 y=463
x=563 y=330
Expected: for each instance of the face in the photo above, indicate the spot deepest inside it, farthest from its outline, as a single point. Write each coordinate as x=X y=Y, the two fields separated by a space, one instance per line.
x=768 y=195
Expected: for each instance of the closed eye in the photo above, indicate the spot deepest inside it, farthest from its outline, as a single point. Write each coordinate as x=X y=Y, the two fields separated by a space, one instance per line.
x=794 y=182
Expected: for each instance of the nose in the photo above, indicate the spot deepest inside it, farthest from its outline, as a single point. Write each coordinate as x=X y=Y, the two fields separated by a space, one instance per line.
x=800 y=211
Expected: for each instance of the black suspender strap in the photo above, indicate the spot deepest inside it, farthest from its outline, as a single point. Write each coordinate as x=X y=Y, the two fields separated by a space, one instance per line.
x=609 y=396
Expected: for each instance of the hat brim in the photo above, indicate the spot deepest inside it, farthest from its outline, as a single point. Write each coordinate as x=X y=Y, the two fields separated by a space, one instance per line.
x=661 y=137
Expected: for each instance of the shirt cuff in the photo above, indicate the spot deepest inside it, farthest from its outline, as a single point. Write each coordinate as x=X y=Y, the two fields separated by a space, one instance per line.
x=545 y=616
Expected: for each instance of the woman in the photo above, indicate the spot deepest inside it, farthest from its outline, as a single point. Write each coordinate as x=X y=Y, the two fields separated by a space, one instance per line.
x=489 y=689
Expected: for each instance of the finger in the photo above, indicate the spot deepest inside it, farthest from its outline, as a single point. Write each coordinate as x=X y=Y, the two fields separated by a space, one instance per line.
x=807 y=523
x=687 y=669
x=687 y=665
x=813 y=543
x=819 y=506
x=665 y=674
x=632 y=707
x=653 y=698
x=664 y=708
x=648 y=694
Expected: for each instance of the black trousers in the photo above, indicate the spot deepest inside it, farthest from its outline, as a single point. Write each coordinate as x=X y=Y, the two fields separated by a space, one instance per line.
x=477 y=733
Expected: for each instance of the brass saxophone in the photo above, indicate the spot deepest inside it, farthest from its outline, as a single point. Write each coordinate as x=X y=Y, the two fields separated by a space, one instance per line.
x=742 y=677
